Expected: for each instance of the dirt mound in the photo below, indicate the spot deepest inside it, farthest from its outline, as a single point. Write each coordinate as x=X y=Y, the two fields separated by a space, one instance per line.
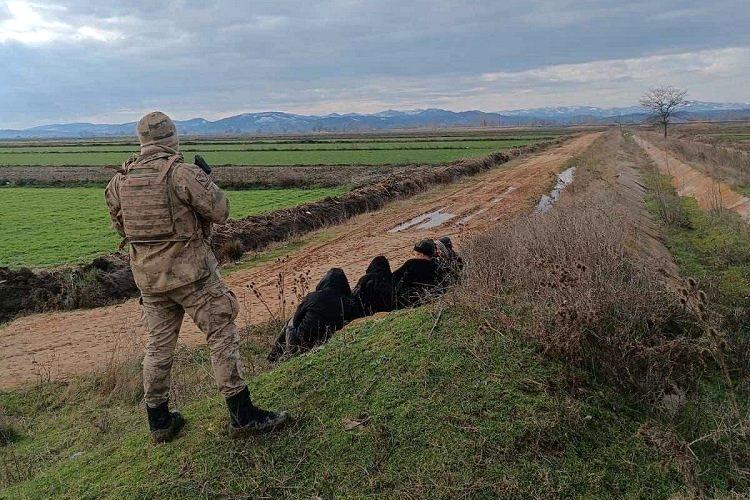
x=103 y=281
x=108 y=279
x=227 y=177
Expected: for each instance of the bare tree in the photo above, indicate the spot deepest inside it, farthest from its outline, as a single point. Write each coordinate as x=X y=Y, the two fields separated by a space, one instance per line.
x=662 y=103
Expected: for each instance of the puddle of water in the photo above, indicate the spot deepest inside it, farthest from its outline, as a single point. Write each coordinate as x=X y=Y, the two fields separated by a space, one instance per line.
x=410 y=223
x=435 y=219
x=564 y=179
x=425 y=221
x=505 y=193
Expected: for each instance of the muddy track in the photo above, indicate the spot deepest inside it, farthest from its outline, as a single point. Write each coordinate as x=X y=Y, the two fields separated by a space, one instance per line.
x=60 y=344
x=689 y=181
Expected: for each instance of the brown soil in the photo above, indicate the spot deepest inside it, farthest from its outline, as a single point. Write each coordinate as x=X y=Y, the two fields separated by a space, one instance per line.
x=57 y=345
x=688 y=181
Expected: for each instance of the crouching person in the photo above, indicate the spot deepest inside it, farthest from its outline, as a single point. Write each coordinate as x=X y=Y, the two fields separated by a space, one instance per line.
x=418 y=277
x=374 y=290
x=164 y=208
x=318 y=316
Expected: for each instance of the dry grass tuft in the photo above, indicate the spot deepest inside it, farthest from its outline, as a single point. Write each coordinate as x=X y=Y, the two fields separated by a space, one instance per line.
x=572 y=281
x=8 y=432
x=232 y=251
x=122 y=381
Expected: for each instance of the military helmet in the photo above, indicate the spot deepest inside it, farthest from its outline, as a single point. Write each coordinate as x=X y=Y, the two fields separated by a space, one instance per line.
x=157 y=128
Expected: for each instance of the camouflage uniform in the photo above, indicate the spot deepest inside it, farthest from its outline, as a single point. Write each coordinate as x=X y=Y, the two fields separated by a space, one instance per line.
x=164 y=208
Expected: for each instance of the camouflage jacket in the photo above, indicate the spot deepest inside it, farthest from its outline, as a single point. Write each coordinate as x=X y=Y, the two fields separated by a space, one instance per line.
x=159 y=267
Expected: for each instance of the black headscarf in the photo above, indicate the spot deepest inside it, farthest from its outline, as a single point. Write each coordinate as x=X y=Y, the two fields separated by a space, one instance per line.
x=374 y=290
x=379 y=265
x=335 y=279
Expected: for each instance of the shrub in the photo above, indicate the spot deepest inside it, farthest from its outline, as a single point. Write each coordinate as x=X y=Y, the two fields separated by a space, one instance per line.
x=232 y=250
x=8 y=433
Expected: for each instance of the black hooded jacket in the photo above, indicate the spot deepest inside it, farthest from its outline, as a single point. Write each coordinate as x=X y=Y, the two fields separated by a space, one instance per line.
x=325 y=310
x=374 y=290
x=413 y=280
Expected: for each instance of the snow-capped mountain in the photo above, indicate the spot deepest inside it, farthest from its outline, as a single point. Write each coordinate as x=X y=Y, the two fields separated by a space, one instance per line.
x=276 y=122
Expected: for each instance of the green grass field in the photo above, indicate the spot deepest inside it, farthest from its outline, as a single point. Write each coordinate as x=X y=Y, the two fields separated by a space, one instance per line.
x=297 y=153
x=738 y=135
x=382 y=144
x=42 y=227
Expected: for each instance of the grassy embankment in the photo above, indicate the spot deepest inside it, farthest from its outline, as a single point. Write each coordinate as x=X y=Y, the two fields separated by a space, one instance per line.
x=502 y=389
x=712 y=247
x=51 y=226
x=444 y=412
x=726 y=164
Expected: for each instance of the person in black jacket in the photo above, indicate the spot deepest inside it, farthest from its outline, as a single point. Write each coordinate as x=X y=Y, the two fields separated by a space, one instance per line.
x=417 y=277
x=374 y=290
x=318 y=315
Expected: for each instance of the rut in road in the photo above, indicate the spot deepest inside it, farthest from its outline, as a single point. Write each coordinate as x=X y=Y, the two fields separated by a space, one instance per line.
x=60 y=344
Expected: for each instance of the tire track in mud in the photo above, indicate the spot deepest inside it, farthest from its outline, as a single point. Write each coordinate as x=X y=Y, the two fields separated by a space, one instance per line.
x=688 y=181
x=57 y=345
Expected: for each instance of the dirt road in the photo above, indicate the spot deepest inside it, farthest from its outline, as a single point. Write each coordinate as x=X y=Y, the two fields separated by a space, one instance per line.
x=57 y=345
x=688 y=181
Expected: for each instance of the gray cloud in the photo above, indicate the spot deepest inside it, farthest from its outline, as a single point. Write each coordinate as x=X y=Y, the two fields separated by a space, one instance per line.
x=110 y=61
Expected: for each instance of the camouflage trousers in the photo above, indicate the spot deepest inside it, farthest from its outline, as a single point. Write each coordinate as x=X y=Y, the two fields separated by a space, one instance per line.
x=213 y=308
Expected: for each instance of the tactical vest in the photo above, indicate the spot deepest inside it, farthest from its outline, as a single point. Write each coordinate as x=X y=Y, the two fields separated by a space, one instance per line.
x=147 y=200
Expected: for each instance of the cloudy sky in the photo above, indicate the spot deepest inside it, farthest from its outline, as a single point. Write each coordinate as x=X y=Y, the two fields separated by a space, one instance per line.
x=110 y=61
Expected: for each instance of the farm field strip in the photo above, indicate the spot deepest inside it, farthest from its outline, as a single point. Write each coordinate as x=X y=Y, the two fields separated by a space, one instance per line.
x=727 y=137
x=303 y=154
x=42 y=227
x=271 y=158
x=286 y=146
x=194 y=142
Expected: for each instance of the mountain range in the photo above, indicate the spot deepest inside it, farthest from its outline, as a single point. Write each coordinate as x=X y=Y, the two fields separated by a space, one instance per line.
x=275 y=122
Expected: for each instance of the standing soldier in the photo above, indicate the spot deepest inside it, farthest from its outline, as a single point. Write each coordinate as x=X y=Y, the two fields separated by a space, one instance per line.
x=164 y=209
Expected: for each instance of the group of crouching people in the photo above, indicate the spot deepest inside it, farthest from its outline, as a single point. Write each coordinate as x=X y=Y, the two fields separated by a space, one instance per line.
x=434 y=267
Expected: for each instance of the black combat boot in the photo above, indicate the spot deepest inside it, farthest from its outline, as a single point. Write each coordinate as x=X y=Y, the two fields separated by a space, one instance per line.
x=245 y=419
x=164 y=426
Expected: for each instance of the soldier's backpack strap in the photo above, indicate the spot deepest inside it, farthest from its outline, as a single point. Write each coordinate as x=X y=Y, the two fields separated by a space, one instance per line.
x=168 y=166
